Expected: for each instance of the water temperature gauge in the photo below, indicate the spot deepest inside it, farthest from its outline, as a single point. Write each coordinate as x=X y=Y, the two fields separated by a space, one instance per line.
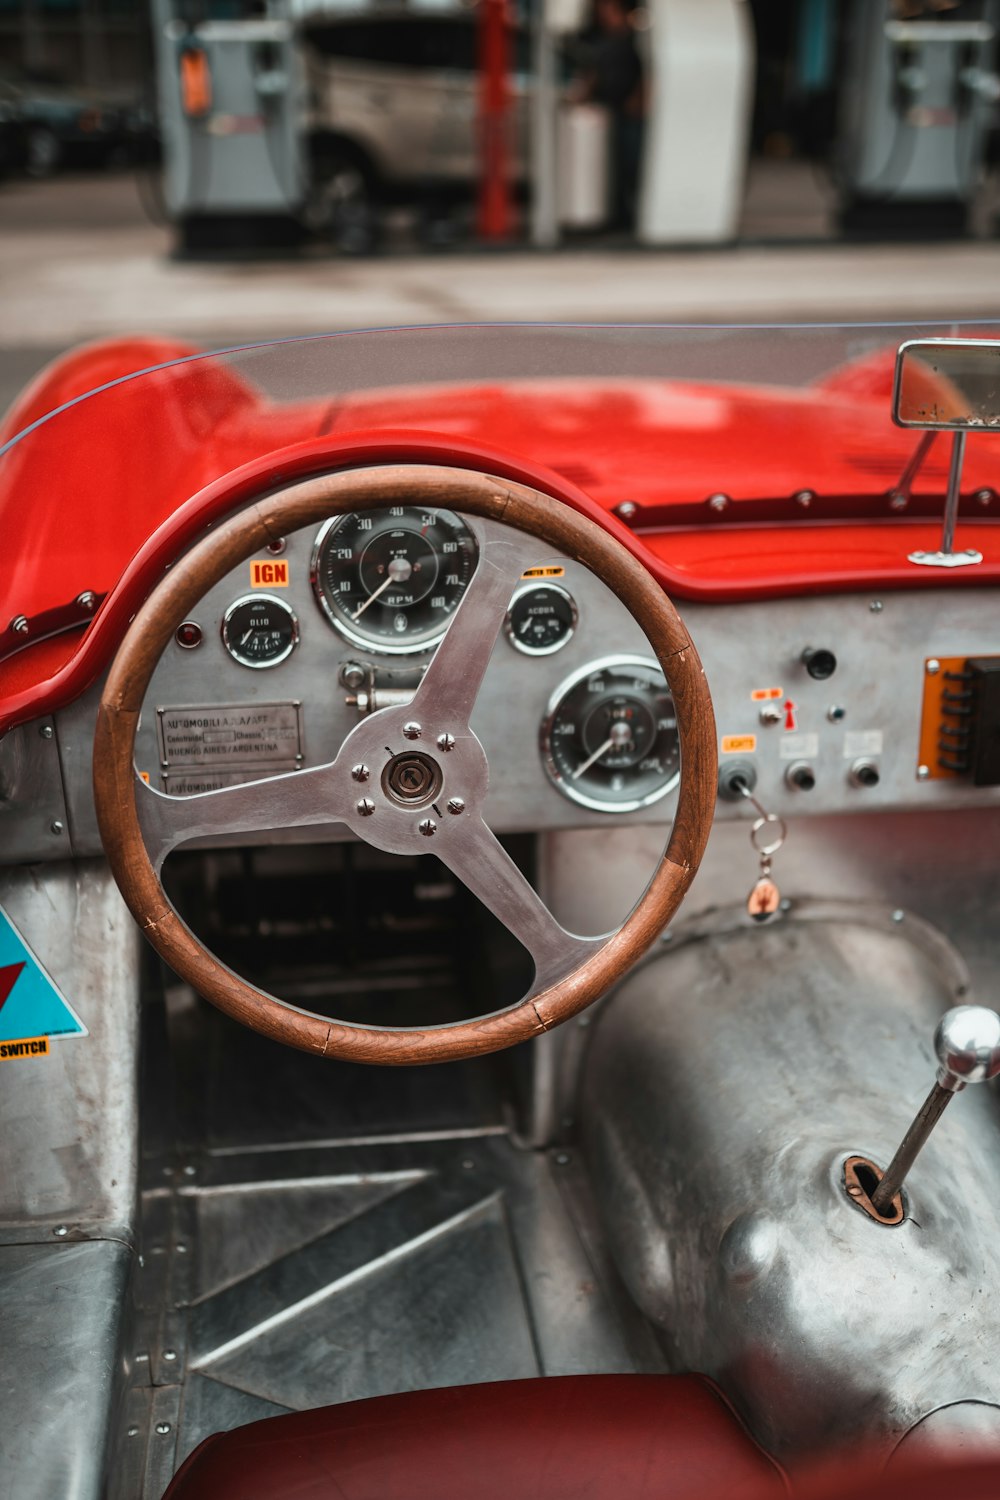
x=541 y=618
x=259 y=630
x=609 y=739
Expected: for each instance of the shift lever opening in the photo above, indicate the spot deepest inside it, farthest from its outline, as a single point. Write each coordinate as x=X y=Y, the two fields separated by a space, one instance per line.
x=861 y=1179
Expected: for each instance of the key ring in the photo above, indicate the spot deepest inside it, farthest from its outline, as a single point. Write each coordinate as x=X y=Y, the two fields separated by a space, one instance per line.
x=781 y=832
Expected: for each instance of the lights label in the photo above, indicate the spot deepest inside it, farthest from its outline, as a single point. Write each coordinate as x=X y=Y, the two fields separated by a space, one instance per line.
x=739 y=744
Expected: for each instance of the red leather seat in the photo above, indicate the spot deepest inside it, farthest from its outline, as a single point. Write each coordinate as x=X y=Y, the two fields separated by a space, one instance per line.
x=864 y=1476
x=581 y=1437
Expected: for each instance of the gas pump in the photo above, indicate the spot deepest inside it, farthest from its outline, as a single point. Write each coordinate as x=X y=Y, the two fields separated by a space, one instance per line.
x=919 y=87
x=231 y=97
x=702 y=63
x=699 y=60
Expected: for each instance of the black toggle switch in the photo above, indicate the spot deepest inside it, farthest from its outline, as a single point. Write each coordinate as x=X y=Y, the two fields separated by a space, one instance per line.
x=865 y=773
x=736 y=778
x=801 y=777
x=819 y=662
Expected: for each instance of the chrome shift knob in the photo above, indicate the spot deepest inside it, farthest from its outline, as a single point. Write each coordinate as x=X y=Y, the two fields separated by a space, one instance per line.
x=967 y=1043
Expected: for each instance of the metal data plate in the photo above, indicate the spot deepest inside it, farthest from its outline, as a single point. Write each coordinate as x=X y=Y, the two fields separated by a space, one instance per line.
x=225 y=738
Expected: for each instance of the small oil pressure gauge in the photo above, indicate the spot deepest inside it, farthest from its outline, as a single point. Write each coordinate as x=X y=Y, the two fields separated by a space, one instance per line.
x=541 y=619
x=259 y=630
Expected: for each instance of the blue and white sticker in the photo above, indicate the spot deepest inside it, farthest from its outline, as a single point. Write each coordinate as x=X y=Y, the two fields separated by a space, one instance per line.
x=33 y=1010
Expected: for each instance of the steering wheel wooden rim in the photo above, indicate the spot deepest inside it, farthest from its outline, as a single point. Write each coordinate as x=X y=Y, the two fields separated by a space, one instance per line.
x=308 y=503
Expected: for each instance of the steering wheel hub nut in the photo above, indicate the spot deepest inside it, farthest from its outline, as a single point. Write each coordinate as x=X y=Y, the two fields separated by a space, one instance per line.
x=412 y=779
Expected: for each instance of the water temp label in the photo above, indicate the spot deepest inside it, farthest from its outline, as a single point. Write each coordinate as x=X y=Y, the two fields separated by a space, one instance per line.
x=251 y=734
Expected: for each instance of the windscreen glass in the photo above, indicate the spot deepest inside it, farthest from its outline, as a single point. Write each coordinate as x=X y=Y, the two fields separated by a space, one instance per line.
x=663 y=415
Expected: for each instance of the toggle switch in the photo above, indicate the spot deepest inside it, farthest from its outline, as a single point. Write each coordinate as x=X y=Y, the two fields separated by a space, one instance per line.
x=865 y=773
x=800 y=776
x=819 y=662
x=736 y=778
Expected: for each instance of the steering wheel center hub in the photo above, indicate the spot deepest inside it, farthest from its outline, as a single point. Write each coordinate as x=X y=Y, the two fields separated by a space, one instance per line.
x=412 y=779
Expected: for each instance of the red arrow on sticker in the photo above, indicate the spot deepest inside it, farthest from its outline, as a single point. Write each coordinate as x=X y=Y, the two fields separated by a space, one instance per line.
x=9 y=975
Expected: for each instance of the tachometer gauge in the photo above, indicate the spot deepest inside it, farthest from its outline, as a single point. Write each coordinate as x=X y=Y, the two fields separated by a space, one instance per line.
x=391 y=580
x=609 y=739
x=259 y=630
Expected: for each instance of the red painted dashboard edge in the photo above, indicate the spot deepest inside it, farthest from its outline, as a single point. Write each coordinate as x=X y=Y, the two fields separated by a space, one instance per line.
x=86 y=656
x=92 y=652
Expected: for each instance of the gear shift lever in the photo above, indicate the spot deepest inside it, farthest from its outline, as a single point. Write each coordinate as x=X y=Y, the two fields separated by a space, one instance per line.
x=967 y=1043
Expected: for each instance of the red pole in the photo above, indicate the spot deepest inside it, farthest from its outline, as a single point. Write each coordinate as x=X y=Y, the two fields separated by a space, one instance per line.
x=494 y=216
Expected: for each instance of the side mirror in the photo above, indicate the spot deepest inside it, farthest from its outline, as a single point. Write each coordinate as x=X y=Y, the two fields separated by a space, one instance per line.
x=948 y=385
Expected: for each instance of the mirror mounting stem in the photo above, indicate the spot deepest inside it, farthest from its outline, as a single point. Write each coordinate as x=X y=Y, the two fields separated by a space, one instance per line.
x=947 y=557
x=900 y=492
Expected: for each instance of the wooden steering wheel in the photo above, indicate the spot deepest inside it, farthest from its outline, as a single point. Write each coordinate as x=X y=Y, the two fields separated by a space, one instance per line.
x=140 y=826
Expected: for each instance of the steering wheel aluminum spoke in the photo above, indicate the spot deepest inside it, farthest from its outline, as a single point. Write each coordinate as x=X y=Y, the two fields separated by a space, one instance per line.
x=485 y=868
x=295 y=799
x=450 y=686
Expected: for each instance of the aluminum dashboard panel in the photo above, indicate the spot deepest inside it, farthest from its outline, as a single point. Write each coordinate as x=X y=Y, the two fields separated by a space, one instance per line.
x=771 y=710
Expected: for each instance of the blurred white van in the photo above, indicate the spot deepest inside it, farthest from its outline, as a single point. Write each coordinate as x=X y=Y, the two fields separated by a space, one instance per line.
x=392 y=114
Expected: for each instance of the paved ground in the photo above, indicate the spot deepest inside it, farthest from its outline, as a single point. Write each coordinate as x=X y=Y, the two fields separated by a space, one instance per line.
x=80 y=260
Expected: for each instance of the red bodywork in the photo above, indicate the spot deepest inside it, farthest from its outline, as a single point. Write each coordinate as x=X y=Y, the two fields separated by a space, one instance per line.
x=811 y=513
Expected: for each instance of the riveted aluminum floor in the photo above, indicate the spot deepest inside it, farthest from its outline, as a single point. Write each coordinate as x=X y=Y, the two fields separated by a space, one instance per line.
x=283 y=1280
x=282 y=1275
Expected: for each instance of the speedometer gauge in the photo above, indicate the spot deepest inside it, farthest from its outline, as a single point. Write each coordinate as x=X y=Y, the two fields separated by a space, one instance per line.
x=609 y=739
x=391 y=580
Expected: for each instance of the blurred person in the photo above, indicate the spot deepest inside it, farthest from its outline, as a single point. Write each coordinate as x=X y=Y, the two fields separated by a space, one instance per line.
x=615 y=78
